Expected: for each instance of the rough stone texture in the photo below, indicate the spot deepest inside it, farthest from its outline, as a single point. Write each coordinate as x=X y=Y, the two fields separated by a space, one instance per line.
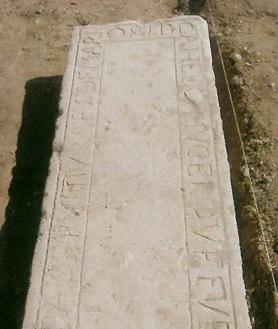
x=139 y=230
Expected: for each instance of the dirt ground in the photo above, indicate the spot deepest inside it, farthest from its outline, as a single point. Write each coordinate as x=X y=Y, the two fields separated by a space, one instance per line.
x=248 y=38
x=34 y=38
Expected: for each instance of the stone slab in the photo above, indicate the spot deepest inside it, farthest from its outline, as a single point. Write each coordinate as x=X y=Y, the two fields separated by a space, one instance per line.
x=139 y=228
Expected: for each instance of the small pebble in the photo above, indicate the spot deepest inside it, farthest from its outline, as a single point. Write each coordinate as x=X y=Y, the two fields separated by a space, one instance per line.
x=237 y=80
x=272 y=85
x=236 y=57
x=261 y=247
x=38 y=11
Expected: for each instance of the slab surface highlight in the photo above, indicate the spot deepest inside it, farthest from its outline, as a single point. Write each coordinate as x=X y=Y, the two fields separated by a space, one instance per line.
x=139 y=229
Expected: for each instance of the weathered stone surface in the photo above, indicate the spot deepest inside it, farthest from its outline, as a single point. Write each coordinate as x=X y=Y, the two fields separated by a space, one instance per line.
x=139 y=230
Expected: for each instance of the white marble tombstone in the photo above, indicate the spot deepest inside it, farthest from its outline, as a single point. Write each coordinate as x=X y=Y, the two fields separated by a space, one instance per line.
x=139 y=228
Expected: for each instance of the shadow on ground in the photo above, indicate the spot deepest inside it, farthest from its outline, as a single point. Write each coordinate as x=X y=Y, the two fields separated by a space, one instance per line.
x=19 y=233
x=195 y=6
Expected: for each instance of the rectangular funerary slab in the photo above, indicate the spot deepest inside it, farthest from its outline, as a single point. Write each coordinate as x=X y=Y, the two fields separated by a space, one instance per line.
x=139 y=229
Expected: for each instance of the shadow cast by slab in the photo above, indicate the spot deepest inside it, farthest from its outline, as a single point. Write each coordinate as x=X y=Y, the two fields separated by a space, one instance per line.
x=195 y=6
x=190 y=6
x=19 y=233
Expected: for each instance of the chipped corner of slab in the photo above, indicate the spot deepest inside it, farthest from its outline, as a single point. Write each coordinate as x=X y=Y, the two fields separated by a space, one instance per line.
x=139 y=195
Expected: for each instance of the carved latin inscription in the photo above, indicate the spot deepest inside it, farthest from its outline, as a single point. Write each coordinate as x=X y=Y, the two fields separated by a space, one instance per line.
x=208 y=273
x=60 y=289
x=135 y=31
